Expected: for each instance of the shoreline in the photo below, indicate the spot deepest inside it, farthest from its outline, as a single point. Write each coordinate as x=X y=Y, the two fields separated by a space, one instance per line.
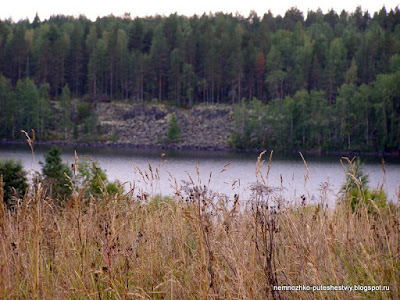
x=197 y=148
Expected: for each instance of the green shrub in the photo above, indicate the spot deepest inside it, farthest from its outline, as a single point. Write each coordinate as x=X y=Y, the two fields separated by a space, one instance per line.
x=15 y=181
x=96 y=179
x=365 y=197
x=90 y=124
x=356 y=191
x=84 y=111
x=174 y=131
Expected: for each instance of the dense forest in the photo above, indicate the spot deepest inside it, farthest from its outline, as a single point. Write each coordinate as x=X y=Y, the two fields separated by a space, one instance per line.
x=322 y=81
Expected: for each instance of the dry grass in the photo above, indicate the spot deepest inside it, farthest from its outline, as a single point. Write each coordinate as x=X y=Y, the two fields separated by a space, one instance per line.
x=196 y=246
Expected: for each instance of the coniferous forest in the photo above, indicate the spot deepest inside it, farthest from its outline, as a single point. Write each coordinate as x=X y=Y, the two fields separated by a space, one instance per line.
x=322 y=81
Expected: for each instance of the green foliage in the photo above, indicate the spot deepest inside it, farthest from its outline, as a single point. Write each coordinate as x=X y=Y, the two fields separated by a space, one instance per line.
x=83 y=110
x=66 y=123
x=361 y=119
x=90 y=124
x=355 y=176
x=365 y=197
x=8 y=109
x=355 y=191
x=114 y=137
x=27 y=108
x=95 y=178
x=86 y=117
x=158 y=200
x=113 y=187
x=55 y=174
x=251 y=125
x=58 y=178
x=174 y=131
x=14 y=178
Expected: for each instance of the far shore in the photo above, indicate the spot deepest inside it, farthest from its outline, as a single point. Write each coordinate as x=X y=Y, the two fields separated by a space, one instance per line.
x=198 y=148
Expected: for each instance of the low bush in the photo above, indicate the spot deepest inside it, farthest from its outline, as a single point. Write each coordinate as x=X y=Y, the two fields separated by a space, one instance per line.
x=356 y=189
x=95 y=179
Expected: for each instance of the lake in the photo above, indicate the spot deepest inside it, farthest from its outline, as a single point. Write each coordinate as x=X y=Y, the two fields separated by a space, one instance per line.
x=287 y=171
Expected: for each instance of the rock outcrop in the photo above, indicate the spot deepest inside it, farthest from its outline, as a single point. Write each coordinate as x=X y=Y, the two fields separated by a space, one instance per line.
x=202 y=127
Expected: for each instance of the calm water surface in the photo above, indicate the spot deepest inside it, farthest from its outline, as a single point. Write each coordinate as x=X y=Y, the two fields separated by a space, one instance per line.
x=287 y=171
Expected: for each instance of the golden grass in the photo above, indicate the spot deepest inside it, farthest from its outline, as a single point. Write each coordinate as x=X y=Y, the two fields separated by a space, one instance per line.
x=195 y=246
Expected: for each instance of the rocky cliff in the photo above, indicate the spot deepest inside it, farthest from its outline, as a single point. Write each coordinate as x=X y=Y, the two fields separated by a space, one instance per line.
x=202 y=127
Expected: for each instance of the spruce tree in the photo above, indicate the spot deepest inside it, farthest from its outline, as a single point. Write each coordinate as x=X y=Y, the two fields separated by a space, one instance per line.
x=174 y=131
x=55 y=173
x=14 y=180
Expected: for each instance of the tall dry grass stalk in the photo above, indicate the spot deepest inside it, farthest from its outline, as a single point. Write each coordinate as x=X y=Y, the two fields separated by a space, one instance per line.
x=197 y=245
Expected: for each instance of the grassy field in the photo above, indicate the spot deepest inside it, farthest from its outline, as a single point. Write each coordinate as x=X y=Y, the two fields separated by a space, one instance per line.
x=196 y=245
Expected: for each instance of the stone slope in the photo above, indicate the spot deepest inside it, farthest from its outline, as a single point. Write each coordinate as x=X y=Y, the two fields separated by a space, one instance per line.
x=202 y=127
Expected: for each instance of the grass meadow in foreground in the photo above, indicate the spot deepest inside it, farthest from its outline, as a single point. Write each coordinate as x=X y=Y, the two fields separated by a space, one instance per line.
x=196 y=245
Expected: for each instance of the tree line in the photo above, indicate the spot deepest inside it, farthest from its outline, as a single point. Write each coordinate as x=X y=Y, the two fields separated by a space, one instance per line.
x=214 y=58
x=364 y=118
